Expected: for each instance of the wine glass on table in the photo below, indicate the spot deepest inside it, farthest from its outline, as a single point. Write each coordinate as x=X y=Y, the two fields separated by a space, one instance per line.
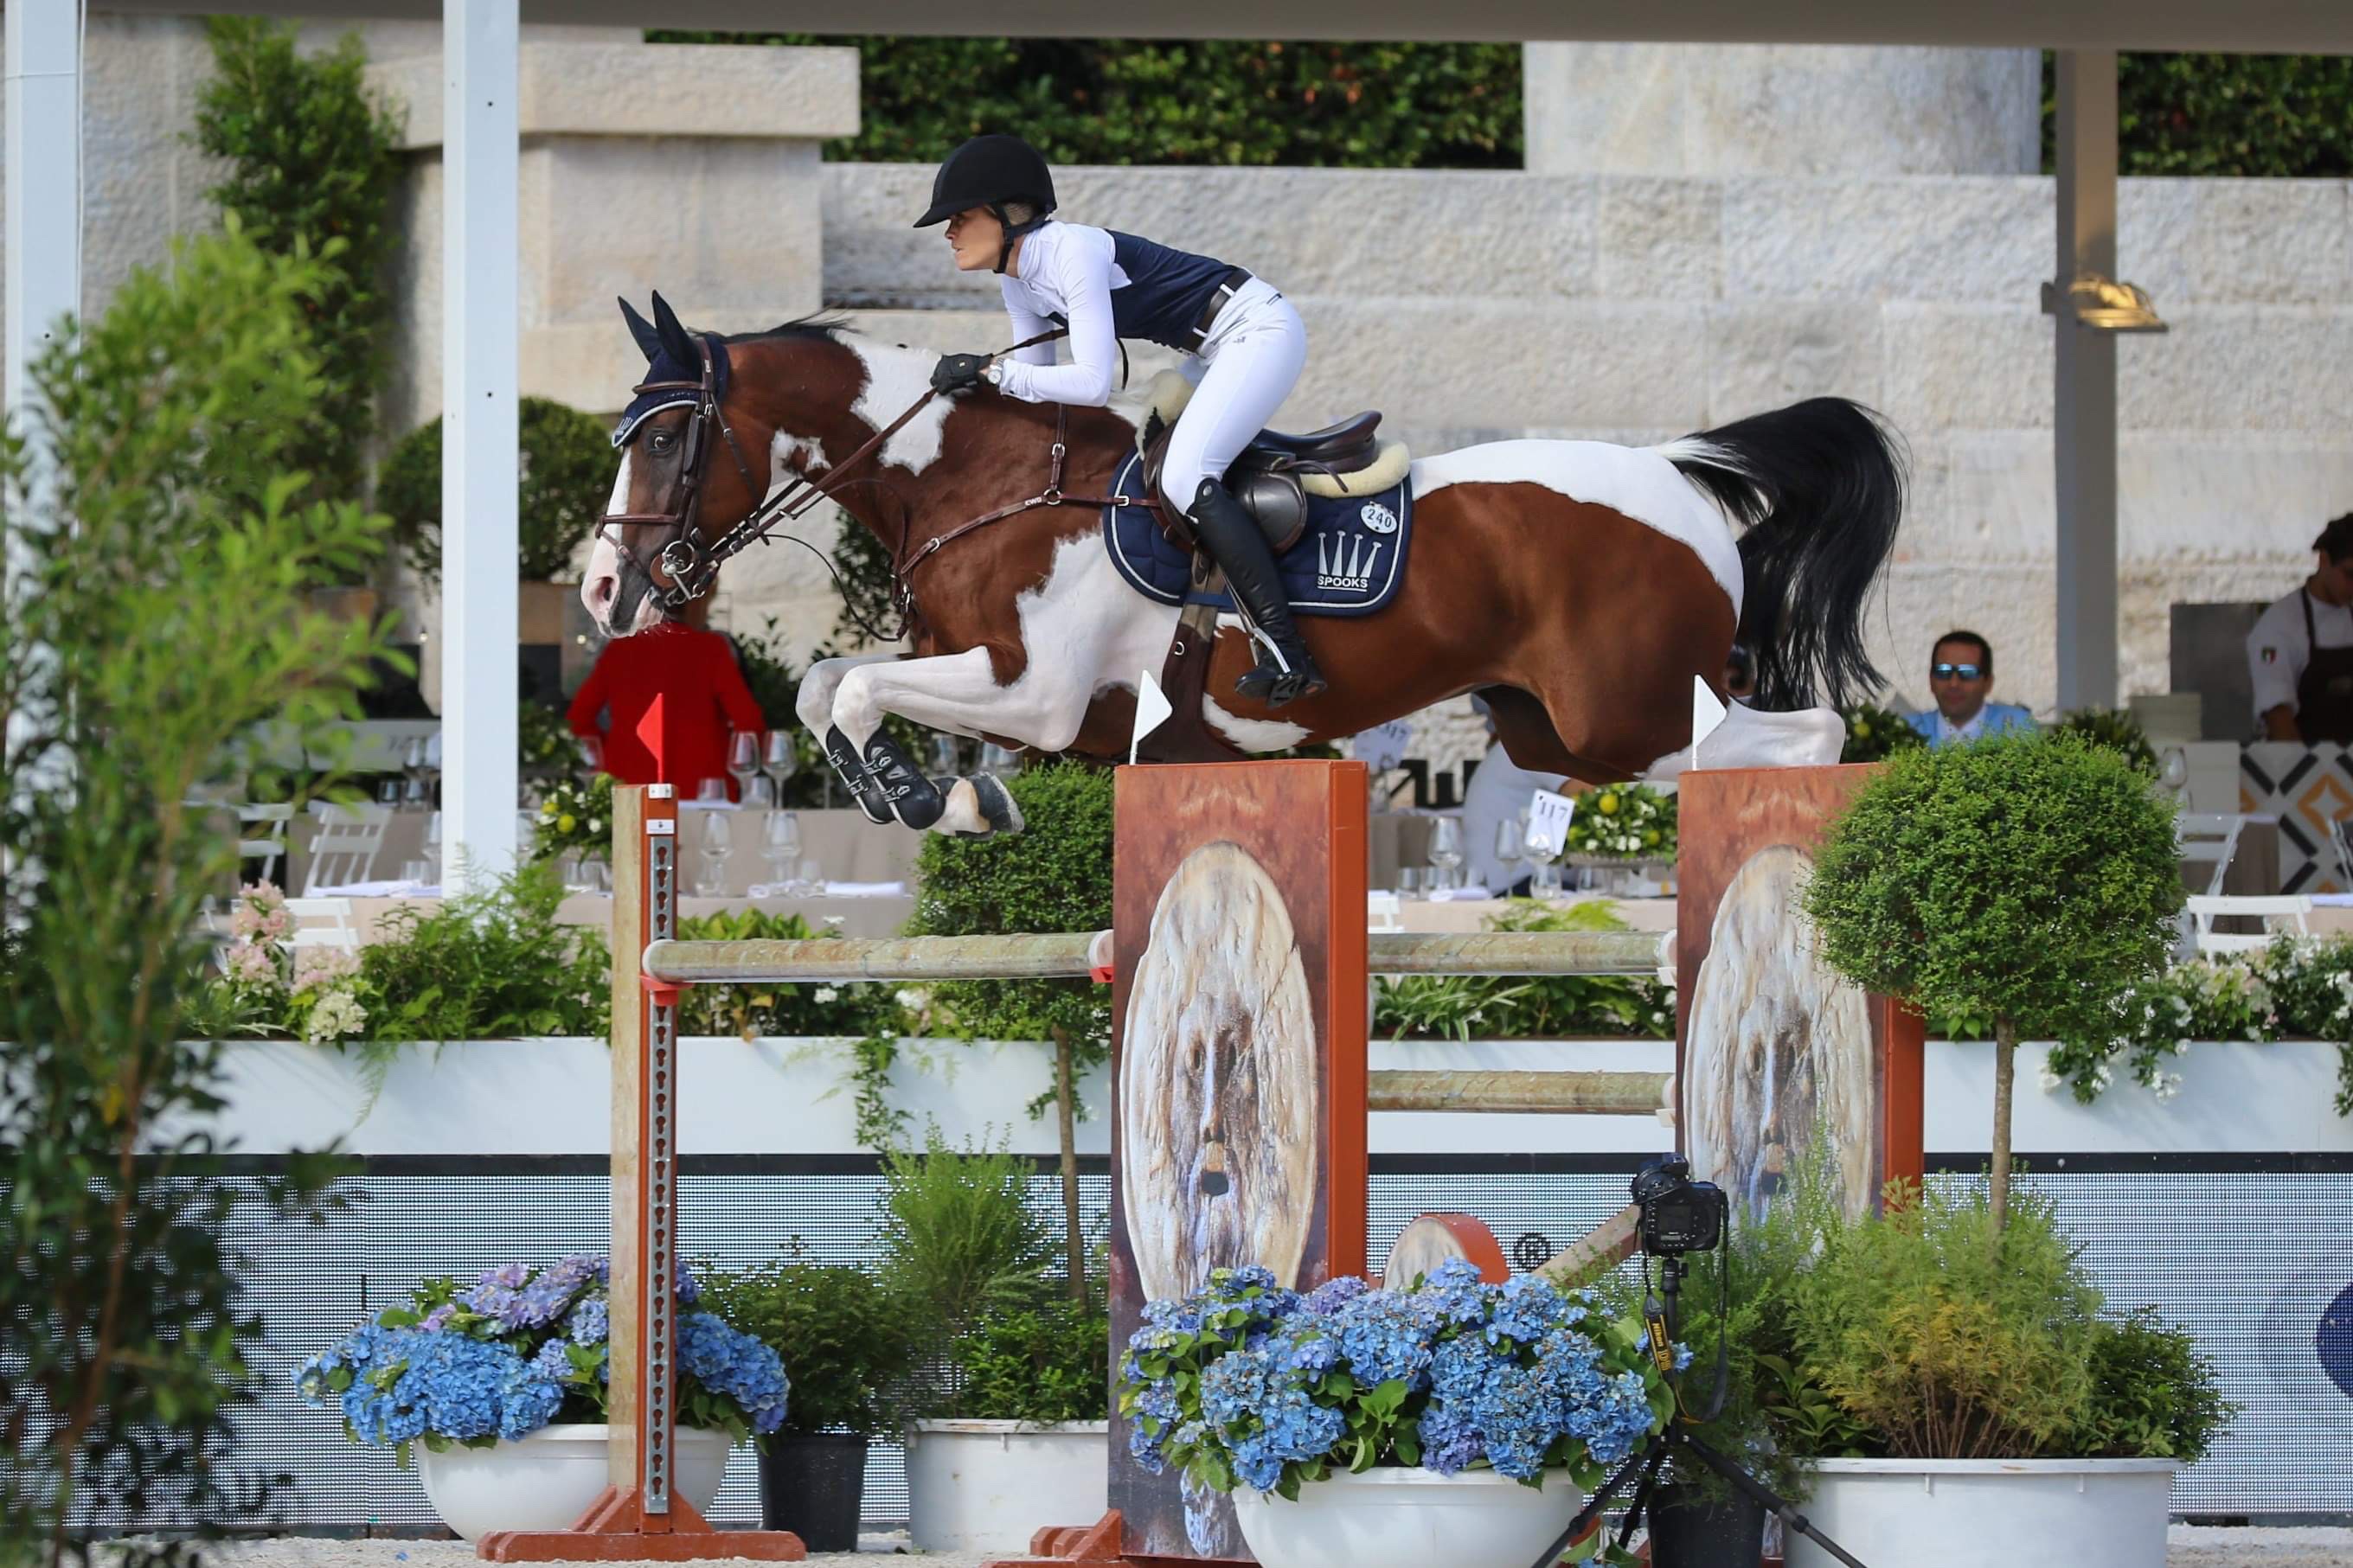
x=716 y=839
x=779 y=759
x=743 y=761
x=1445 y=850
x=1510 y=843
x=780 y=846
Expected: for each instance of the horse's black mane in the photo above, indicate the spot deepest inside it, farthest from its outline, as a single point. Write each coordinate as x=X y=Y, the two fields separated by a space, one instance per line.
x=820 y=324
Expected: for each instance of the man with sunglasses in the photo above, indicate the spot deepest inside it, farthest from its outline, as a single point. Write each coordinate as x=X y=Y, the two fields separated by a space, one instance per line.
x=2300 y=655
x=1960 y=678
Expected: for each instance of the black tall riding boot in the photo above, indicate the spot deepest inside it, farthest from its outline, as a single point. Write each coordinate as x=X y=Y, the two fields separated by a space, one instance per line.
x=1285 y=669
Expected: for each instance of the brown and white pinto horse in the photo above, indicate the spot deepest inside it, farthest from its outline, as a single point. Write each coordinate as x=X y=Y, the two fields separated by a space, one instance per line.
x=1581 y=587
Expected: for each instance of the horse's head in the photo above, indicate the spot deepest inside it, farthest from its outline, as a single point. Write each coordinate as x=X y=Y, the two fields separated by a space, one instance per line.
x=673 y=495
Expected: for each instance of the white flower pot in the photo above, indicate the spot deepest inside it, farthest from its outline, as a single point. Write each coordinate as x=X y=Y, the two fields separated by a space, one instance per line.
x=1980 y=1513
x=545 y=1481
x=1394 y=1518
x=988 y=1486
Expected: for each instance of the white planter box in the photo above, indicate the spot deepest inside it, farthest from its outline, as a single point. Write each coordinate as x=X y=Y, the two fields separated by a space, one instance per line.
x=547 y=1480
x=1388 y=1518
x=1990 y=1513
x=989 y=1486
x=458 y=1098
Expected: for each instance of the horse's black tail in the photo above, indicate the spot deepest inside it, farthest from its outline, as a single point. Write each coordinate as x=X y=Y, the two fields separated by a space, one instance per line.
x=1818 y=488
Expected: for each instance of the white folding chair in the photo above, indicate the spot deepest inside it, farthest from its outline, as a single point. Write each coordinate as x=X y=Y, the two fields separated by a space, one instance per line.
x=269 y=844
x=346 y=845
x=1382 y=911
x=323 y=922
x=2206 y=837
x=2204 y=909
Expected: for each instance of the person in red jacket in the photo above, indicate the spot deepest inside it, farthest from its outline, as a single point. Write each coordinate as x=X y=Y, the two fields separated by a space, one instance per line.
x=694 y=669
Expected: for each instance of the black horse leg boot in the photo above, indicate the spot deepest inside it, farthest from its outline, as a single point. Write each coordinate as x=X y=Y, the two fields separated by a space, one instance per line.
x=1285 y=669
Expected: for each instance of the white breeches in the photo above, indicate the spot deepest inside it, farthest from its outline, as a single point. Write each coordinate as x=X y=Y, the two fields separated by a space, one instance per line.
x=1252 y=362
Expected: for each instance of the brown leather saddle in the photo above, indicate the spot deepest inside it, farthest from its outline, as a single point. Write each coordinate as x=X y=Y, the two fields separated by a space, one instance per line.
x=1266 y=477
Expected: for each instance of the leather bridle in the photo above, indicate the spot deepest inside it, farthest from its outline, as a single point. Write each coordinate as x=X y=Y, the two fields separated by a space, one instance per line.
x=692 y=564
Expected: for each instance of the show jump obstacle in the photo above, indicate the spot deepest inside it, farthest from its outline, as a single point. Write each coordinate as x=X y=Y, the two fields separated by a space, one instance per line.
x=1239 y=964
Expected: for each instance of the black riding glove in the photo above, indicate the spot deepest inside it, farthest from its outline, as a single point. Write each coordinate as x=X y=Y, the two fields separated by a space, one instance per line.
x=955 y=373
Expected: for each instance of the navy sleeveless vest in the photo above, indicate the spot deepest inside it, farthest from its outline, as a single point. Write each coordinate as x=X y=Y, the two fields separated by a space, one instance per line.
x=1165 y=291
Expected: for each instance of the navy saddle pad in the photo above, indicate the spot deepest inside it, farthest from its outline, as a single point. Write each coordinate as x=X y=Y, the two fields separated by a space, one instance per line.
x=1348 y=561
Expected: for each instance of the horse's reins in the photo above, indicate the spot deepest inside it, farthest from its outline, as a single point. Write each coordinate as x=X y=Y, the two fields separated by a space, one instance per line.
x=692 y=565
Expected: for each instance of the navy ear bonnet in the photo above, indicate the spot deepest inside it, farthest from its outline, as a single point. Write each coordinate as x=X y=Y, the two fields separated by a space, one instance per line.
x=672 y=354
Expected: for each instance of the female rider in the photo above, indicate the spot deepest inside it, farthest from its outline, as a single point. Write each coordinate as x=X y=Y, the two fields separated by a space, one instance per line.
x=1243 y=346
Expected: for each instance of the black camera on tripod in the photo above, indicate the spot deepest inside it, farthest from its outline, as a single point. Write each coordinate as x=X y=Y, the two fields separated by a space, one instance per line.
x=1679 y=1215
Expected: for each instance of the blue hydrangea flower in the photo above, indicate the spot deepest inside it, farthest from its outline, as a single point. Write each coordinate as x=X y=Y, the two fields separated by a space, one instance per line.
x=1385 y=1334
x=735 y=1365
x=591 y=1321
x=528 y=1400
x=1333 y=1294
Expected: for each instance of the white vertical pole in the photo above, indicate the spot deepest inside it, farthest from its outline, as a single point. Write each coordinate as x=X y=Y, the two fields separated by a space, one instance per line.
x=2084 y=422
x=43 y=213
x=480 y=685
x=44 y=207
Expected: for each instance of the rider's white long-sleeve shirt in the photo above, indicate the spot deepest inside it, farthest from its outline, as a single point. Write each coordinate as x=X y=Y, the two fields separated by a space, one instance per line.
x=1066 y=269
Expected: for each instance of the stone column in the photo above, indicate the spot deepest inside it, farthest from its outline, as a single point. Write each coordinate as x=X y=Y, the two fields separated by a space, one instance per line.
x=689 y=168
x=1774 y=109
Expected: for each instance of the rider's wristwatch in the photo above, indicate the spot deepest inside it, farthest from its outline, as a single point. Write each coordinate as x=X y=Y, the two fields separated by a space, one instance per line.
x=988 y=373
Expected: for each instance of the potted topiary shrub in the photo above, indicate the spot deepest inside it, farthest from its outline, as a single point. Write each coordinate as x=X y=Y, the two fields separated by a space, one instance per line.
x=499 y=1390
x=2029 y=881
x=1976 y=1403
x=1019 y=1434
x=848 y=1342
x=991 y=1449
x=1055 y=876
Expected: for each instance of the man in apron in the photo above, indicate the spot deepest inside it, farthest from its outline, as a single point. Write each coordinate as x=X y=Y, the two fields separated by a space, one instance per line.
x=2300 y=655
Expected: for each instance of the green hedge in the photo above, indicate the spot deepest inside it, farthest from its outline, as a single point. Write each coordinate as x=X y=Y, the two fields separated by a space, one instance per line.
x=312 y=165
x=1363 y=106
x=567 y=477
x=2250 y=115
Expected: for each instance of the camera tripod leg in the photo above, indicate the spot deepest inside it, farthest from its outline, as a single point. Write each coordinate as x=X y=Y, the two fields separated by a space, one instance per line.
x=1787 y=1514
x=1645 y=1462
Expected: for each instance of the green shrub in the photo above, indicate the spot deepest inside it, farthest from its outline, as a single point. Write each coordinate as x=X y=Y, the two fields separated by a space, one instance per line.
x=155 y=628
x=1054 y=875
x=2260 y=116
x=847 y=1010
x=843 y=1339
x=312 y=163
x=1951 y=1333
x=959 y=1237
x=487 y=964
x=1874 y=732
x=1118 y=100
x=2153 y=1395
x=567 y=466
x=1047 y=1360
x=2026 y=880
x=1540 y=1007
x=2116 y=729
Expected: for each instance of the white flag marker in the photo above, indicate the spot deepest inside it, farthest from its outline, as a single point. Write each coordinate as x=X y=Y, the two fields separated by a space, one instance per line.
x=1151 y=708
x=1706 y=714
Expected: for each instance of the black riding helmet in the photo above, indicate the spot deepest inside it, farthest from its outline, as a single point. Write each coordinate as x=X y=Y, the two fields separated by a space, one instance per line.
x=988 y=171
